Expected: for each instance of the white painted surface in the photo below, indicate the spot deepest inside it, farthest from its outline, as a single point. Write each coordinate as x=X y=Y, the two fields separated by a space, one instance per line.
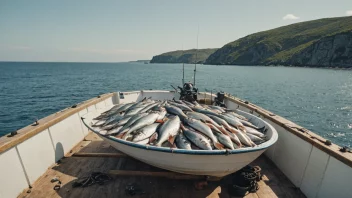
x=212 y=165
x=84 y=128
x=100 y=105
x=91 y=108
x=37 y=154
x=158 y=95
x=337 y=180
x=314 y=172
x=66 y=134
x=291 y=155
x=12 y=177
x=109 y=102
x=132 y=96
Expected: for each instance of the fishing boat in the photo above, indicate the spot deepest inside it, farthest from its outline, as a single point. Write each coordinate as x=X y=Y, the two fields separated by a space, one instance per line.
x=60 y=145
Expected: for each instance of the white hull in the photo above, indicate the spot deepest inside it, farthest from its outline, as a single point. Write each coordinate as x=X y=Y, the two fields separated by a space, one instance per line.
x=211 y=165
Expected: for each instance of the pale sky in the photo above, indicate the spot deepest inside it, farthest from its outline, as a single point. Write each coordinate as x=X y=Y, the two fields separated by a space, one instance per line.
x=115 y=31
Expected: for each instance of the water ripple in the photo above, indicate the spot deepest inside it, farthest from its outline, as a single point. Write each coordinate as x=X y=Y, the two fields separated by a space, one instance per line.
x=318 y=99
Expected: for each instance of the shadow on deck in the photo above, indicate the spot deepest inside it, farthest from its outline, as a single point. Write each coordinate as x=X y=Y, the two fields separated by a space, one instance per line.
x=274 y=183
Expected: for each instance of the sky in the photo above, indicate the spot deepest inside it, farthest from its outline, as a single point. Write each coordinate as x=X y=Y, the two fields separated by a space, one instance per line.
x=117 y=31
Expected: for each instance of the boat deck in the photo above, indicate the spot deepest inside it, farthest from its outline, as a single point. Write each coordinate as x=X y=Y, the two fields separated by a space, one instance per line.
x=104 y=158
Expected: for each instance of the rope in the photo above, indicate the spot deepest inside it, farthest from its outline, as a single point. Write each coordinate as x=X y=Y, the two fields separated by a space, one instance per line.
x=93 y=178
x=245 y=180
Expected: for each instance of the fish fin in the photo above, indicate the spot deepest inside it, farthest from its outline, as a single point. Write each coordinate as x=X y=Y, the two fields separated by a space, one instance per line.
x=209 y=124
x=241 y=128
x=120 y=135
x=171 y=139
x=223 y=130
x=203 y=121
x=219 y=146
x=124 y=130
x=153 y=137
x=173 y=146
x=159 y=121
x=182 y=127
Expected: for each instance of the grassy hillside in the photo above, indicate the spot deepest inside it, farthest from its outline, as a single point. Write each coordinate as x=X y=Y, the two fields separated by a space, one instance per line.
x=279 y=45
x=186 y=56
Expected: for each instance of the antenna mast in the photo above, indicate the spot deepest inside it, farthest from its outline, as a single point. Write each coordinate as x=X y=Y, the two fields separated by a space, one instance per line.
x=195 y=64
x=183 y=69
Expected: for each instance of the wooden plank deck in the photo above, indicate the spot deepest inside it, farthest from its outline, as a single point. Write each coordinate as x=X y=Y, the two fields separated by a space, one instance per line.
x=274 y=183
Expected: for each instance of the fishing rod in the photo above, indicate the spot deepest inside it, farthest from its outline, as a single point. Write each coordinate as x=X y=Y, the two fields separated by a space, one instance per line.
x=195 y=64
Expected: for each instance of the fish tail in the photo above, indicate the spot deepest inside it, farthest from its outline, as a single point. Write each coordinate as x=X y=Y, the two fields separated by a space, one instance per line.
x=159 y=121
x=219 y=146
x=120 y=135
x=171 y=139
x=158 y=144
x=262 y=129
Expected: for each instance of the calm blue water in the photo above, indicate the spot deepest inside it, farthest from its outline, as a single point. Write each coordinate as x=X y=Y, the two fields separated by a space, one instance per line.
x=318 y=99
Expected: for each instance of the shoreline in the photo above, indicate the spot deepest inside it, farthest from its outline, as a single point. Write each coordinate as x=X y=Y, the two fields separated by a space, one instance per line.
x=315 y=67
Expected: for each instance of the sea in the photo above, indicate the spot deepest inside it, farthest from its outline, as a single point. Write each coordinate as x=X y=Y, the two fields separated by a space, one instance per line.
x=317 y=99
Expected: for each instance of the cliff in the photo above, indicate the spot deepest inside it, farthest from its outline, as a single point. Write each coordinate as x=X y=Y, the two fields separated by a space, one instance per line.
x=320 y=43
x=186 y=56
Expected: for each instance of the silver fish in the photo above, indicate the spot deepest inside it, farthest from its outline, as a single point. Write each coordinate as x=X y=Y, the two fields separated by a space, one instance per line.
x=254 y=132
x=98 y=123
x=233 y=121
x=217 y=108
x=134 y=111
x=254 y=138
x=138 y=105
x=162 y=114
x=188 y=103
x=243 y=138
x=168 y=130
x=112 y=110
x=246 y=123
x=142 y=122
x=147 y=108
x=113 y=131
x=237 y=115
x=123 y=108
x=131 y=121
x=143 y=142
x=178 y=101
x=222 y=129
x=205 y=111
x=123 y=121
x=145 y=132
x=224 y=139
x=181 y=106
x=202 y=117
x=175 y=110
x=203 y=128
x=196 y=138
x=182 y=142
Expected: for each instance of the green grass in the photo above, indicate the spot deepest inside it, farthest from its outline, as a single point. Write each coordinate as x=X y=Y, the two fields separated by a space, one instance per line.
x=279 y=44
x=186 y=56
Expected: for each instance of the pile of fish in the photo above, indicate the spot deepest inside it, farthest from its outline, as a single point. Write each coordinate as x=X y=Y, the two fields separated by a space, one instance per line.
x=179 y=124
